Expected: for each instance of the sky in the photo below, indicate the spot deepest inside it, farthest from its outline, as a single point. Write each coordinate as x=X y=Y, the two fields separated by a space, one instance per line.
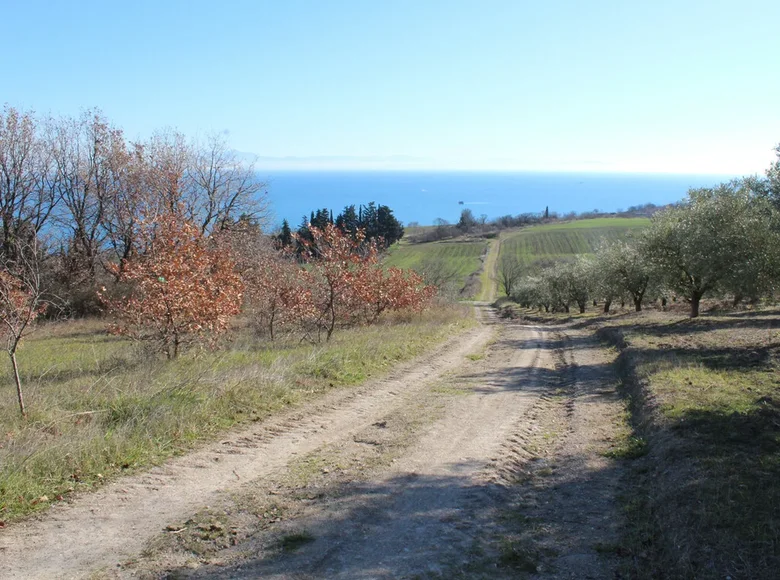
x=684 y=86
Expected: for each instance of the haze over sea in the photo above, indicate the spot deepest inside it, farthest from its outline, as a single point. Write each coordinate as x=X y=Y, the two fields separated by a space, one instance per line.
x=423 y=196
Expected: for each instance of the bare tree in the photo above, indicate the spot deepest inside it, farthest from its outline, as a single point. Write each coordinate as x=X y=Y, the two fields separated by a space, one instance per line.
x=509 y=272
x=21 y=302
x=87 y=152
x=27 y=189
x=440 y=274
x=204 y=180
x=225 y=189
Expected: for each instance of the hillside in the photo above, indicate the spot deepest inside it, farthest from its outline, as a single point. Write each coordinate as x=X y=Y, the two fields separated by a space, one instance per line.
x=449 y=262
x=459 y=259
x=556 y=241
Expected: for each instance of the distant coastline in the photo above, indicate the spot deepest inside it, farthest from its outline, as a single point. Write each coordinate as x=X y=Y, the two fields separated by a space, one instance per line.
x=423 y=196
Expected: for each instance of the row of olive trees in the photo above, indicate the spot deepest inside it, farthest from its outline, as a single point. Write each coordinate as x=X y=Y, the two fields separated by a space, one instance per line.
x=721 y=241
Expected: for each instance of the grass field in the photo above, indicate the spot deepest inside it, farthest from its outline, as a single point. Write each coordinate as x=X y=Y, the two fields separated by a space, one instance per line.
x=560 y=241
x=705 y=400
x=702 y=498
x=99 y=405
x=456 y=259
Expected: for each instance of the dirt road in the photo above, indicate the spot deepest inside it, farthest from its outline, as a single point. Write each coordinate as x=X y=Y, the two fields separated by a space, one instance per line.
x=482 y=459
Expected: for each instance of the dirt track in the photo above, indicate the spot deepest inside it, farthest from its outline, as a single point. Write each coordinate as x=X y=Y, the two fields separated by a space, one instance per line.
x=479 y=460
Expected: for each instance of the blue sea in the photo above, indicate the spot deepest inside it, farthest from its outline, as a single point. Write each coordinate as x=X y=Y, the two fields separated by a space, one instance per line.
x=423 y=196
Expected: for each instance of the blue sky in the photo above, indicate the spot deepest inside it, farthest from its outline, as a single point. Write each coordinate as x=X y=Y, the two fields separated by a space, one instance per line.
x=683 y=86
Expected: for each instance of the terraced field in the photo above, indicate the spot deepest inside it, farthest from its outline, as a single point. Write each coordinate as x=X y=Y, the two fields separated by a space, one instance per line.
x=560 y=241
x=533 y=245
x=459 y=258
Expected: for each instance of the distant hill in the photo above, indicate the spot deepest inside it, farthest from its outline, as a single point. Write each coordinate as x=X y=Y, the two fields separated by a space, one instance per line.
x=547 y=243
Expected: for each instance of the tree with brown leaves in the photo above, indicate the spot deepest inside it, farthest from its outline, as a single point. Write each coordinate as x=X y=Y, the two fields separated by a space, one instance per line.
x=183 y=287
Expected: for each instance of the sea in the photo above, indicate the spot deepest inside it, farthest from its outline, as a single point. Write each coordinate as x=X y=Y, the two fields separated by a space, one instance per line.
x=425 y=196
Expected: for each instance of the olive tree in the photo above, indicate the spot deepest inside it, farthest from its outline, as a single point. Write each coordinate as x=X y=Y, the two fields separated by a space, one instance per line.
x=578 y=279
x=622 y=269
x=566 y=282
x=718 y=237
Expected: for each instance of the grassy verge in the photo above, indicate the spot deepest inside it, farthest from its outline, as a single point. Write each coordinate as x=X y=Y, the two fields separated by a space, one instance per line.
x=705 y=401
x=487 y=276
x=100 y=406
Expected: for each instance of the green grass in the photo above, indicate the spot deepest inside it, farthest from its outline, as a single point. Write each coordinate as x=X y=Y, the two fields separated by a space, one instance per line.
x=294 y=541
x=458 y=258
x=554 y=242
x=100 y=406
x=487 y=279
x=705 y=398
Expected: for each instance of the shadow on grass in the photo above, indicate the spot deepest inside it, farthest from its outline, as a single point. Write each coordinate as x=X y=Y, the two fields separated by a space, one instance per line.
x=107 y=366
x=708 y=504
x=706 y=500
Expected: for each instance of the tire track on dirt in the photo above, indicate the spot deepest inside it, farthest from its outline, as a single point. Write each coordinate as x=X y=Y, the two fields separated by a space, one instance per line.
x=428 y=512
x=101 y=529
x=568 y=491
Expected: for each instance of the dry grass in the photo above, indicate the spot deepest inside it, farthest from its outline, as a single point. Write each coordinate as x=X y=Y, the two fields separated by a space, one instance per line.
x=99 y=405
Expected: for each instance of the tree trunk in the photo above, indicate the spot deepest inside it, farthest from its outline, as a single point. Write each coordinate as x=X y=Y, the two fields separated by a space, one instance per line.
x=566 y=308
x=695 y=299
x=332 y=321
x=737 y=300
x=638 y=304
x=607 y=304
x=18 y=382
x=582 y=307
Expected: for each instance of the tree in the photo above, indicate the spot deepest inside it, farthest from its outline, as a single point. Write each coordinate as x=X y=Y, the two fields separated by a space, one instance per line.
x=348 y=284
x=21 y=302
x=467 y=221
x=529 y=291
x=348 y=221
x=577 y=278
x=277 y=292
x=335 y=263
x=718 y=237
x=383 y=289
x=441 y=274
x=203 y=180
x=622 y=268
x=183 y=287
x=223 y=187
x=566 y=282
x=773 y=179
x=88 y=155
x=510 y=270
x=388 y=229
x=28 y=192
x=285 y=238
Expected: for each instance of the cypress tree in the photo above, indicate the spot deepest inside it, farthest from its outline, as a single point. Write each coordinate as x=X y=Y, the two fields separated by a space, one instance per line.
x=285 y=236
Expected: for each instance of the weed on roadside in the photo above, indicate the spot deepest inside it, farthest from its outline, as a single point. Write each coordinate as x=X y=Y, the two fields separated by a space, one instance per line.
x=99 y=407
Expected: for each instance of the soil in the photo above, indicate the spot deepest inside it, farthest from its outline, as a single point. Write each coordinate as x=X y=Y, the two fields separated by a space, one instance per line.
x=481 y=459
